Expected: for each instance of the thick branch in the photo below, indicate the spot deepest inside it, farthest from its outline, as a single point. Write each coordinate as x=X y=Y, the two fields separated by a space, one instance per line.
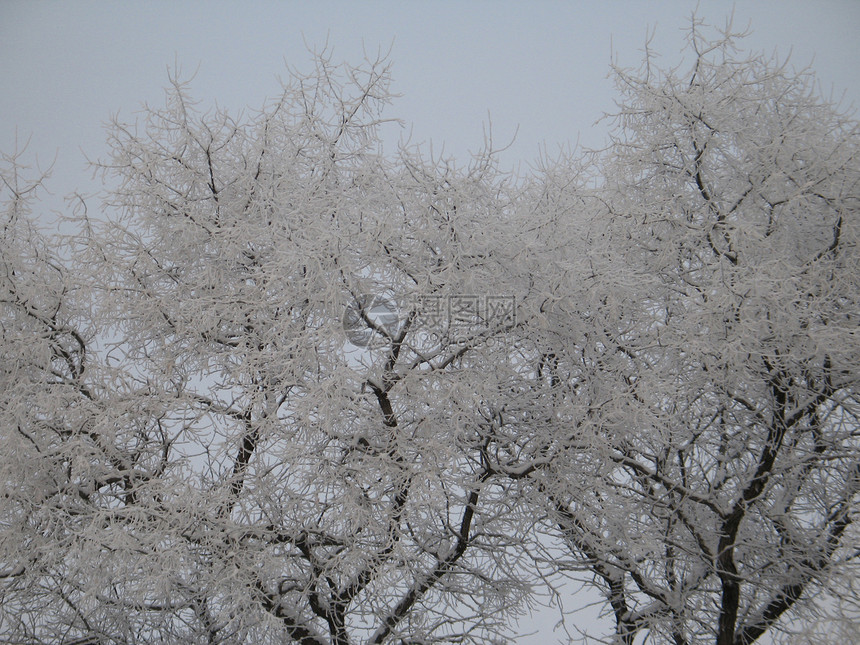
x=443 y=566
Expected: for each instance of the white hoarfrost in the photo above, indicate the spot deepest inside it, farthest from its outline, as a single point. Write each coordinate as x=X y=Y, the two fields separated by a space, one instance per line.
x=636 y=369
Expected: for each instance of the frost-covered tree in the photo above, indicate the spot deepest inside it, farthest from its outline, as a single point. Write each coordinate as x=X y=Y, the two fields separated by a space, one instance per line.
x=718 y=357
x=46 y=412
x=247 y=471
x=288 y=387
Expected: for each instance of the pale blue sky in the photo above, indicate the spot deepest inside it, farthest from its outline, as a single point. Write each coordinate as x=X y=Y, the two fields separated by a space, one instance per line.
x=536 y=67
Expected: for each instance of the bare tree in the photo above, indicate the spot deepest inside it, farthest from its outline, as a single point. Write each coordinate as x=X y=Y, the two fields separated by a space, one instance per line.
x=246 y=473
x=720 y=372
x=288 y=388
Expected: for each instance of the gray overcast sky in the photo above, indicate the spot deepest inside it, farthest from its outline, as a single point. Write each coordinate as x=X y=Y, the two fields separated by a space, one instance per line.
x=539 y=67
